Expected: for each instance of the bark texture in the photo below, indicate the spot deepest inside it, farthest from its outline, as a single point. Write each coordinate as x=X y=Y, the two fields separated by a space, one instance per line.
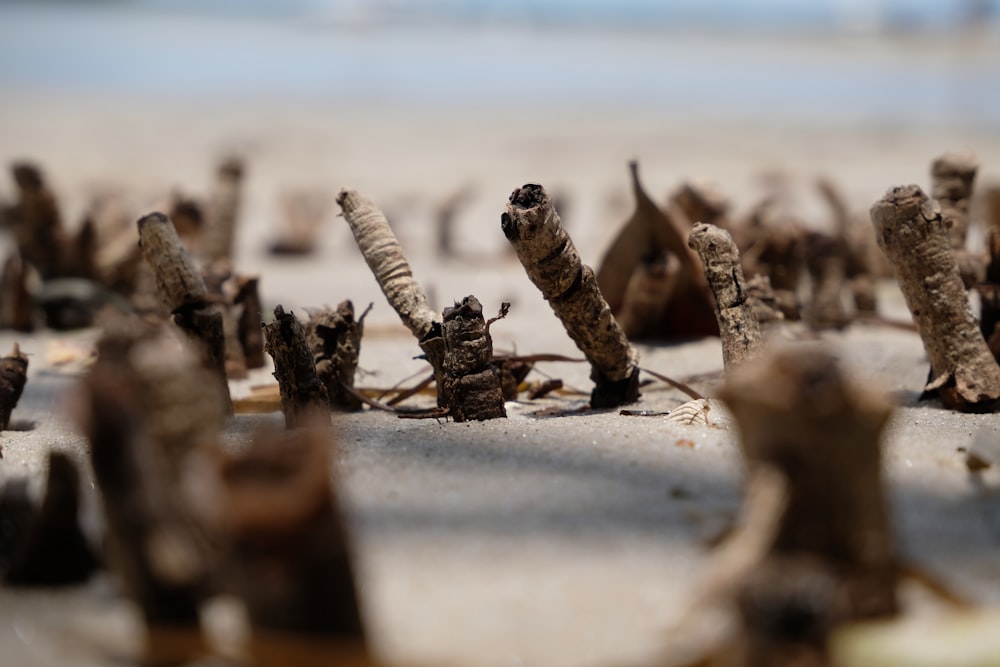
x=286 y=550
x=13 y=377
x=738 y=325
x=385 y=258
x=147 y=406
x=914 y=236
x=182 y=290
x=335 y=339
x=302 y=393
x=472 y=384
x=830 y=559
x=553 y=264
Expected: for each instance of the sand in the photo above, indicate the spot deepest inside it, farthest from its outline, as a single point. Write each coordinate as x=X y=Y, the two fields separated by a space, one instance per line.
x=535 y=540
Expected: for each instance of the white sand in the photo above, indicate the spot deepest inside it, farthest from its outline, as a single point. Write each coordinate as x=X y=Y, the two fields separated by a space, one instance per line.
x=531 y=540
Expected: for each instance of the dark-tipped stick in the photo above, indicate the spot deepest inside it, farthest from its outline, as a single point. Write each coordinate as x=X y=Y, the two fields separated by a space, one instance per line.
x=553 y=264
x=472 y=385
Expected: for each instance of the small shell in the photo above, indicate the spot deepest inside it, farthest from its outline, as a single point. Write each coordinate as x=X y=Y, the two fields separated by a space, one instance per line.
x=691 y=413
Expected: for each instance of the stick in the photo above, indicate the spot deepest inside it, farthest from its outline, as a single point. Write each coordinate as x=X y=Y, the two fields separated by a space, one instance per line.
x=552 y=263
x=738 y=326
x=17 y=302
x=182 y=290
x=387 y=262
x=471 y=382
x=287 y=551
x=13 y=377
x=37 y=223
x=146 y=409
x=302 y=392
x=248 y=326
x=952 y=179
x=335 y=339
x=222 y=212
x=914 y=236
x=54 y=551
x=830 y=559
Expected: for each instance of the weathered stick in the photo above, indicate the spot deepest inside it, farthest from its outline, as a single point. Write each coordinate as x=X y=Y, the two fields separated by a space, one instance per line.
x=739 y=328
x=287 y=552
x=914 y=236
x=830 y=559
x=37 y=223
x=552 y=263
x=17 y=303
x=387 y=262
x=826 y=261
x=472 y=384
x=182 y=290
x=54 y=551
x=952 y=179
x=335 y=339
x=146 y=406
x=13 y=377
x=222 y=214
x=248 y=326
x=302 y=392
x=989 y=295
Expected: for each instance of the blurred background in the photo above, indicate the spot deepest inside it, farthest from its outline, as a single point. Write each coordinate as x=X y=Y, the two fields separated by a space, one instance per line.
x=889 y=60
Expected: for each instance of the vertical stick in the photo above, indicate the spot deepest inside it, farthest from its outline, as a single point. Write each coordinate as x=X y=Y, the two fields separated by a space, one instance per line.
x=146 y=406
x=287 y=549
x=552 y=263
x=302 y=392
x=831 y=559
x=952 y=178
x=182 y=290
x=914 y=236
x=471 y=381
x=13 y=377
x=223 y=211
x=248 y=327
x=385 y=258
x=739 y=328
x=335 y=339
x=54 y=551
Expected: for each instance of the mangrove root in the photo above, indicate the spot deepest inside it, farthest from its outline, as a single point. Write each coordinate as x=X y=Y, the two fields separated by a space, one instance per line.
x=472 y=386
x=385 y=258
x=13 y=377
x=552 y=263
x=828 y=558
x=286 y=549
x=914 y=236
x=54 y=551
x=302 y=392
x=739 y=328
x=147 y=407
x=335 y=339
